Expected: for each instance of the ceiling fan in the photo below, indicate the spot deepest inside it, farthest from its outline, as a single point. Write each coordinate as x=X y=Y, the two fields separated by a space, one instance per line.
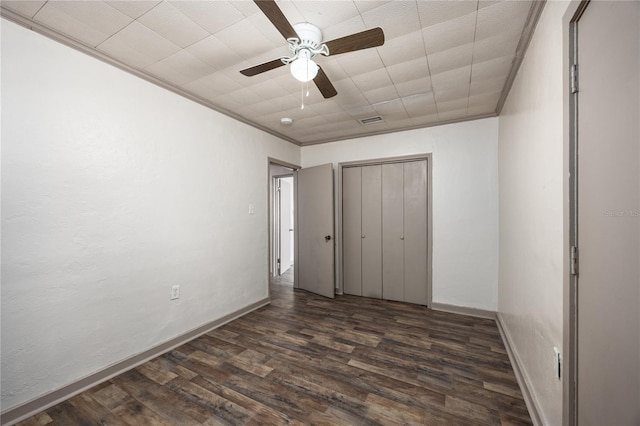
x=305 y=43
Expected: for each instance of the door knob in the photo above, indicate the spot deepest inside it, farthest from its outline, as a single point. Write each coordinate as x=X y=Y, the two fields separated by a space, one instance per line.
x=363 y=236
x=402 y=238
x=328 y=238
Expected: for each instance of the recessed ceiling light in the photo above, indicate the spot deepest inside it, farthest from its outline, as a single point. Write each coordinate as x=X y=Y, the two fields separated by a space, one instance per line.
x=286 y=121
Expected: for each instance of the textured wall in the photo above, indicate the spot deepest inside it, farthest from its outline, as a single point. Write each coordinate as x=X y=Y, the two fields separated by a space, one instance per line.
x=113 y=190
x=531 y=211
x=465 y=201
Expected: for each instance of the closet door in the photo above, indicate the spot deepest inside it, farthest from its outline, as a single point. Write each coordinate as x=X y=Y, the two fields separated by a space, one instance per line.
x=351 y=230
x=372 y=231
x=415 y=232
x=392 y=231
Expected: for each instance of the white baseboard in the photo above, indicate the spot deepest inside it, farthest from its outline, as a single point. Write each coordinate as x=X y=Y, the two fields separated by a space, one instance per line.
x=463 y=310
x=30 y=408
x=521 y=376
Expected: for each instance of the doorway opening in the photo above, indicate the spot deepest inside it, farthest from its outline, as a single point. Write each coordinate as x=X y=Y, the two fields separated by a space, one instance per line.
x=282 y=250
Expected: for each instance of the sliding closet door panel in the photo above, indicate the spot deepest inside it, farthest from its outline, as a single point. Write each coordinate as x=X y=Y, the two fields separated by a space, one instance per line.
x=351 y=230
x=392 y=232
x=372 y=231
x=415 y=232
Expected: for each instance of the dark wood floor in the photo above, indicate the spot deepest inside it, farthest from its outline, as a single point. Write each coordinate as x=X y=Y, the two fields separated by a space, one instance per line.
x=305 y=359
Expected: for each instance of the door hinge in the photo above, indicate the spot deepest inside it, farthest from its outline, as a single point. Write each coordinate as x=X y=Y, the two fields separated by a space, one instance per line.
x=574 y=78
x=574 y=260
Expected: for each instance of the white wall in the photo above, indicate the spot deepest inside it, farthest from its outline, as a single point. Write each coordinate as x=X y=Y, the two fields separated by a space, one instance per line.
x=465 y=201
x=530 y=301
x=113 y=190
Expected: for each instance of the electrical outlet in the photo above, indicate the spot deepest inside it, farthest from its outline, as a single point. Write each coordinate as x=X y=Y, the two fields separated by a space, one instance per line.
x=175 y=292
x=252 y=209
x=557 y=361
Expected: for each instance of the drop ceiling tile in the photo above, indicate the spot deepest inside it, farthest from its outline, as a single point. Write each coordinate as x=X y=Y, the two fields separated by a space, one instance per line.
x=450 y=59
x=502 y=17
x=372 y=80
x=489 y=99
x=418 y=85
x=498 y=67
x=134 y=8
x=503 y=44
x=266 y=91
x=365 y=6
x=180 y=68
x=327 y=106
x=213 y=16
x=332 y=68
x=424 y=120
x=310 y=122
x=266 y=29
x=381 y=94
x=247 y=8
x=436 y=12
x=359 y=62
x=215 y=53
x=342 y=29
x=325 y=14
x=456 y=105
x=409 y=70
x=171 y=24
x=244 y=39
x=391 y=110
x=26 y=8
x=135 y=37
x=453 y=115
x=122 y=51
x=451 y=79
x=90 y=22
x=456 y=32
x=421 y=108
x=488 y=85
x=395 y=19
x=452 y=93
x=402 y=49
x=361 y=112
x=207 y=87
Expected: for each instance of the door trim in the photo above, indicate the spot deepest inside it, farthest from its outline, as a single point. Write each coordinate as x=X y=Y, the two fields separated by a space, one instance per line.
x=428 y=157
x=274 y=161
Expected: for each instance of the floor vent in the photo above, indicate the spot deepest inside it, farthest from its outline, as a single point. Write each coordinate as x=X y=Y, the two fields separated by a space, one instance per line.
x=370 y=120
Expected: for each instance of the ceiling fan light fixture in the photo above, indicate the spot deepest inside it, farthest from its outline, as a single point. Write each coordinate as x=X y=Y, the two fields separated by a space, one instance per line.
x=304 y=69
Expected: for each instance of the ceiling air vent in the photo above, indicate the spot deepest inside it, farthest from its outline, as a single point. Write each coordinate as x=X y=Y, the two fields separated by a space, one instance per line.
x=370 y=120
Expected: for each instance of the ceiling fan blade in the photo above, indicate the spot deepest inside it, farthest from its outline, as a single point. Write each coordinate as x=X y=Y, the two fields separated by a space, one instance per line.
x=324 y=85
x=277 y=18
x=258 y=69
x=358 y=41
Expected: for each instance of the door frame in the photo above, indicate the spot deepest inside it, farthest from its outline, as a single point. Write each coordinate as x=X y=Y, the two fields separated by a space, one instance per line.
x=570 y=296
x=270 y=200
x=428 y=157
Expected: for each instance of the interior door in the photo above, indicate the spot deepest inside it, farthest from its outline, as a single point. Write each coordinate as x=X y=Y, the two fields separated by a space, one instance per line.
x=608 y=214
x=393 y=231
x=285 y=225
x=314 y=224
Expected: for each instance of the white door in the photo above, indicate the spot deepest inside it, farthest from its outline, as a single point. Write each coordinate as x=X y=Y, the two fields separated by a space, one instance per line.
x=314 y=268
x=608 y=214
x=285 y=225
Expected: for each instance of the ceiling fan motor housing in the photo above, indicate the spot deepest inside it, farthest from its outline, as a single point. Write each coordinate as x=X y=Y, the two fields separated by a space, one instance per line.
x=310 y=36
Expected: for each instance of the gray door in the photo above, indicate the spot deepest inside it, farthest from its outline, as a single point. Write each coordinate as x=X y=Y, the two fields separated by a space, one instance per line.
x=608 y=209
x=372 y=231
x=415 y=232
x=393 y=232
x=352 y=230
x=314 y=224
